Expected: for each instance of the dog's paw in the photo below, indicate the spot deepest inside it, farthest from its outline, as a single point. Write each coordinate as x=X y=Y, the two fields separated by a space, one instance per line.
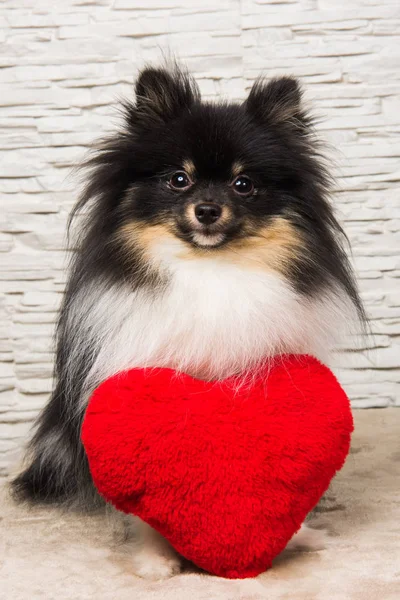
x=153 y=566
x=308 y=539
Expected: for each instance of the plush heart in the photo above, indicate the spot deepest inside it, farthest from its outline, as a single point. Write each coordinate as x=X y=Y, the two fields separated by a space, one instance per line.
x=226 y=472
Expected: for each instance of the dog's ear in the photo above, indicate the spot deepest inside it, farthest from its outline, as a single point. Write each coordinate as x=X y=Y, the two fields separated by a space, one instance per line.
x=162 y=94
x=277 y=101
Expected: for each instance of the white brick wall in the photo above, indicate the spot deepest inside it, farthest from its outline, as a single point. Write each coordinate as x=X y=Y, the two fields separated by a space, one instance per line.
x=64 y=63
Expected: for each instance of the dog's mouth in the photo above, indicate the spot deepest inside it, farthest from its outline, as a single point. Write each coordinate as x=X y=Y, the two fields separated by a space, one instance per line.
x=208 y=238
x=205 y=239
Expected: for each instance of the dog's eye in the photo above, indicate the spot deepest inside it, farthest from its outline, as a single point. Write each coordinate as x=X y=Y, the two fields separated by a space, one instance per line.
x=180 y=181
x=243 y=186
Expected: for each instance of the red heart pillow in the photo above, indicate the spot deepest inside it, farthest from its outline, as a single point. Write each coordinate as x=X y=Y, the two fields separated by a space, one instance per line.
x=227 y=474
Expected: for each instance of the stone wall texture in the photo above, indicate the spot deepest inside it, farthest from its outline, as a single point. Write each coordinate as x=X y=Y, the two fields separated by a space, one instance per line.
x=64 y=63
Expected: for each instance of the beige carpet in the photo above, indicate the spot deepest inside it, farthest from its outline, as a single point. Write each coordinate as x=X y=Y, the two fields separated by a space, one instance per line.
x=47 y=555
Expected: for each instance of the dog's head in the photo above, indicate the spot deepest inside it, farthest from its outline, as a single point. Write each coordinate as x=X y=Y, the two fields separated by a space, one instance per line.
x=216 y=174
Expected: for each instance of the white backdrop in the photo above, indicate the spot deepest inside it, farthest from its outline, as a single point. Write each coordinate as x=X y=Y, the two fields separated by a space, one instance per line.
x=63 y=65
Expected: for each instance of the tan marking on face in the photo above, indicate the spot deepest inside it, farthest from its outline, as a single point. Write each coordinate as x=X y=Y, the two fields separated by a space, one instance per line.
x=237 y=169
x=273 y=247
x=141 y=237
x=155 y=243
x=189 y=168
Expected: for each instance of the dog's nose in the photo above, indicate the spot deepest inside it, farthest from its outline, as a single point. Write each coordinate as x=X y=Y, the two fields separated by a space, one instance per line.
x=207 y=213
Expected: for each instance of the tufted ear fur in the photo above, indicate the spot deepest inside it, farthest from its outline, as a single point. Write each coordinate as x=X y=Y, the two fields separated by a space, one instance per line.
x=162 y=94
x=278 y=101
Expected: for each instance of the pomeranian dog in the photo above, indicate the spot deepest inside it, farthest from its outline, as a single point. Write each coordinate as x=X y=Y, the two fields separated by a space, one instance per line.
x=208 y=245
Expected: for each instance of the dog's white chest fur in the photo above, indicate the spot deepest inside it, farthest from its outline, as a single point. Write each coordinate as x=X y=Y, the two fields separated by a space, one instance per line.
x=213 y=319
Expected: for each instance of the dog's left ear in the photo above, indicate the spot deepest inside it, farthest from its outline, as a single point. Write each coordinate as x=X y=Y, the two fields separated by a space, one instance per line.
x=162 y=94
x=278 y=101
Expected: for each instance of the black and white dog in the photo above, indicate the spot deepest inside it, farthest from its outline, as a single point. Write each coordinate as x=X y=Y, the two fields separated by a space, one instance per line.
x=208 y=245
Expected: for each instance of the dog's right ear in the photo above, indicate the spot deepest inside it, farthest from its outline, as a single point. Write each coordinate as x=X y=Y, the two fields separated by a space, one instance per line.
x=162 y=94
x=278 y=102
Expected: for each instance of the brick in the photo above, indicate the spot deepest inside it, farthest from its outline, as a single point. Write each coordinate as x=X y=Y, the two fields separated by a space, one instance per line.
x=295 y=20
x=29 y=21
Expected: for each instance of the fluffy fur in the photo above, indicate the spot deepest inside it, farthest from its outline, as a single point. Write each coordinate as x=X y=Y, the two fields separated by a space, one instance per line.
x=152 y=285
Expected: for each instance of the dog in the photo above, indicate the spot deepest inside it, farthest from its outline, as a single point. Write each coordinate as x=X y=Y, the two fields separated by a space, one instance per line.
x=208 y=244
